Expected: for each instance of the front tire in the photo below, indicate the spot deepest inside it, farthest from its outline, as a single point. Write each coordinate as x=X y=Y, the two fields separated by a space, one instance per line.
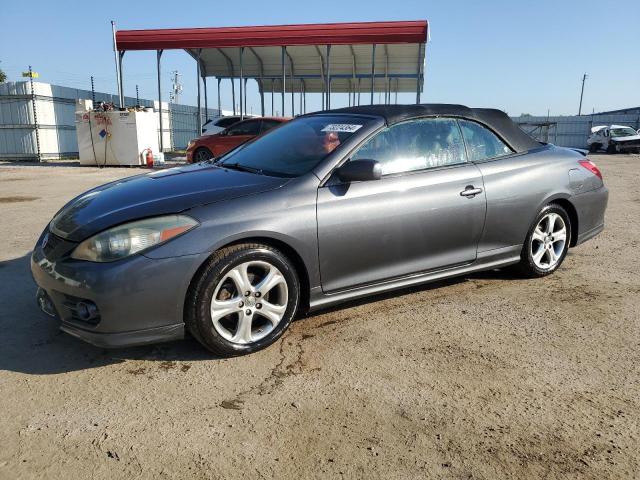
x=547 y=242
x=202 y=154
x=243 y=299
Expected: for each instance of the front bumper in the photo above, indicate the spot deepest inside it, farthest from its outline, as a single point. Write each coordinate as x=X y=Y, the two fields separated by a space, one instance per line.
x=134 y=301
x=632 y=146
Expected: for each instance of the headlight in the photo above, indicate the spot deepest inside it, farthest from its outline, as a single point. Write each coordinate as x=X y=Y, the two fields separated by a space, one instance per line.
x=190 y=144
x=124 y=240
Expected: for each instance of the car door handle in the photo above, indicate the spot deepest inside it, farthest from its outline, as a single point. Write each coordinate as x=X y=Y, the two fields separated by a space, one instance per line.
x=470 y=191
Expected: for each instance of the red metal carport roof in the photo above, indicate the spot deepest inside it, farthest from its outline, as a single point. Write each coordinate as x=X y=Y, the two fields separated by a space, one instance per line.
x=397 y=60
x=333 y=57
x=274 y=35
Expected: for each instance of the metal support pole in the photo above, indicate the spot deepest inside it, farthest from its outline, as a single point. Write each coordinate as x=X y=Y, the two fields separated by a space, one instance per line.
x=300 y=95
x=241 y=85
x=120 y=55
x=260 y=80
x=352 y=82
x=35 y=115
x=359 y=91
x=293 y=93
x=419 y=80
x=284 y=77
x=373 y=71
x=137 y=95
x=328 y=74
x=322 y=77
x=386 y=75
x=198 y=76
x=272 y=88
x=261 y=87
x=206 y=101
x=116 y=56
x=397 y=80
x=233 y=94
x=158 y=56
x=219 y=107
x=245 y=96
x=93 y=92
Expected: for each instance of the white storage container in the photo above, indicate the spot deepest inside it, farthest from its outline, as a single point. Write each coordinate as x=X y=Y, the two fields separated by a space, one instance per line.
x=116 y=138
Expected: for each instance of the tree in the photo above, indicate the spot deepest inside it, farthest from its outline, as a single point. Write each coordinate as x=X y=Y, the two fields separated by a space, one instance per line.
x=3 y=76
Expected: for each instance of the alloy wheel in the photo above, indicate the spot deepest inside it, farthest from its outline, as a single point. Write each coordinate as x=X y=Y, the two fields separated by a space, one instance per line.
x=249 y=302
x=548 y=241
x=201 y=155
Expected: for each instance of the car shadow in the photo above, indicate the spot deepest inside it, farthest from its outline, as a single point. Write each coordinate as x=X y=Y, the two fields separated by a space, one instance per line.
x=32 y=343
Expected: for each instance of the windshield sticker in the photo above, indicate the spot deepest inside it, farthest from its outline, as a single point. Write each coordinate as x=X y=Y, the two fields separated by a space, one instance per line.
x=342 y=127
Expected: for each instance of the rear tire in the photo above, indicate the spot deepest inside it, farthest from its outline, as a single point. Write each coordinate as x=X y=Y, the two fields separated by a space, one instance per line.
x=547 y=242
x=242 y=300
x=594 y=147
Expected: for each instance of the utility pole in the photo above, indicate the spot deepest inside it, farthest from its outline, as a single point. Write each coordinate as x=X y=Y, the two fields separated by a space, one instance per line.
x=584 y=78
x=176 y=86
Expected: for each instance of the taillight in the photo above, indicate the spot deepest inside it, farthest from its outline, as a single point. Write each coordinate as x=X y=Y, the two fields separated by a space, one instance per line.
x=589 y=165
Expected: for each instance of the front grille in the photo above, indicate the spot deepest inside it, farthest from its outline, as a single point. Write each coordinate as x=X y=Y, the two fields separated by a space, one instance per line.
x=56 y=247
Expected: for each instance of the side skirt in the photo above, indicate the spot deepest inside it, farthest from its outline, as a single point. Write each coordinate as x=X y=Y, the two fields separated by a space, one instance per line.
x=487 y=260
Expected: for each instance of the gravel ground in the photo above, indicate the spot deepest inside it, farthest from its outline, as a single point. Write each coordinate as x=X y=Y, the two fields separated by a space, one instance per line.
x=481 y=377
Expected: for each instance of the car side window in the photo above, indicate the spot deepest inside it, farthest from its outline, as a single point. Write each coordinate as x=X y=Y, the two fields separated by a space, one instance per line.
x=269 y=124
x=227 y=122
x=251 y=127
x=415 y=145
x=482 y=144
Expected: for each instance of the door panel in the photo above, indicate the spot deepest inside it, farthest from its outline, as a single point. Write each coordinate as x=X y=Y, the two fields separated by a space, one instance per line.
x=399 y=225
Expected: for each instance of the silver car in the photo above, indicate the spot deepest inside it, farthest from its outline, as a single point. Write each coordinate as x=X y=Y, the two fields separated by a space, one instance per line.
x=329 y=207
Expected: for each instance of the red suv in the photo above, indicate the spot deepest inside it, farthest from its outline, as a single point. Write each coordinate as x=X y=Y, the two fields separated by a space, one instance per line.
x=211 y=146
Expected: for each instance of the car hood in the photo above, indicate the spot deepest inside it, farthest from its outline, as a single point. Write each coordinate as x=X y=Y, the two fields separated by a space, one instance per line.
x=630 y=138
x=158 y=193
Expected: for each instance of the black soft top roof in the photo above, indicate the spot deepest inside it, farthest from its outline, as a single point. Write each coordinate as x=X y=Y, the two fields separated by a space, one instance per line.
x=496 y=120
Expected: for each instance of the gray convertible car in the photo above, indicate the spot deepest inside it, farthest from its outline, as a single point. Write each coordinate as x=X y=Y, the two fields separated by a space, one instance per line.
x=329 y=207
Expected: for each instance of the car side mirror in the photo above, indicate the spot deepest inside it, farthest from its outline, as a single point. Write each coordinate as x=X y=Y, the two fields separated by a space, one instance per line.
x=360 y=171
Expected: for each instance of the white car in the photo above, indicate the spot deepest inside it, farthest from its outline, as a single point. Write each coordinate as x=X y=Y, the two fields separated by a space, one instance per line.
x=614 y=139
x=218 y=124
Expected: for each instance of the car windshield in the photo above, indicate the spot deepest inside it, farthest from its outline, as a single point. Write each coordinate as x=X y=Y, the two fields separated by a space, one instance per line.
x=623 y=132
x=296 y=147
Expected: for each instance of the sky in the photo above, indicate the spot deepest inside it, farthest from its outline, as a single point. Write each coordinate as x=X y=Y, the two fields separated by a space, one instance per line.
x=519 y=56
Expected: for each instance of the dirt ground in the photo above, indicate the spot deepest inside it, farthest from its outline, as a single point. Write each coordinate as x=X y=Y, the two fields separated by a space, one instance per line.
x=481 y=377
